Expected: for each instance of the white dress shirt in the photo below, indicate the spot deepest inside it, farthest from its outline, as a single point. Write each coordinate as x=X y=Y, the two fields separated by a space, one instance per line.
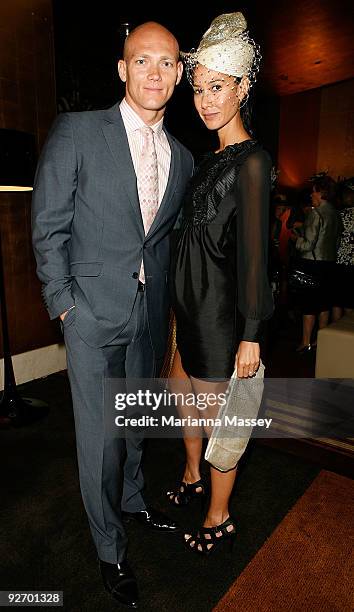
x=133 y=123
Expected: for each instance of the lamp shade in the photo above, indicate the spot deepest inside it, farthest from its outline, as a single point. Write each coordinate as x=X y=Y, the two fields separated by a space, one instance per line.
x=17 y=160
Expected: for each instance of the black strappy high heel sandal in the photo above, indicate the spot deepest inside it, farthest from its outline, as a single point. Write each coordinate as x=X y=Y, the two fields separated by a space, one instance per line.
x=187 y=492
x=208 y=539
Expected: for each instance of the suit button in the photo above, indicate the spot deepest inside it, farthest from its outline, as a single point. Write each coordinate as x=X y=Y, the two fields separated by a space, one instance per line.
x=135 y=275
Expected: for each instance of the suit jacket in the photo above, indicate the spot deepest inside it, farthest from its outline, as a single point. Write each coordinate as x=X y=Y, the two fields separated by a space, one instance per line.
x=88 y=233
x=321 y=233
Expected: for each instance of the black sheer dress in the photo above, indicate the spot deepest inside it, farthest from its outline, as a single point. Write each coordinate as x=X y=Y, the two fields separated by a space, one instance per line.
x=219 y=281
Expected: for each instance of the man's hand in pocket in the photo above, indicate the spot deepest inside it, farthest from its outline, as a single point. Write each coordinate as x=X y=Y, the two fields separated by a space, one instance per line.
x=63 y=314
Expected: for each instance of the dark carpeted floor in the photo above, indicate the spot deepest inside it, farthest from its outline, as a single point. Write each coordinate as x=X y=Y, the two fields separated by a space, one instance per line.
x=45 y=541
x=314 y=540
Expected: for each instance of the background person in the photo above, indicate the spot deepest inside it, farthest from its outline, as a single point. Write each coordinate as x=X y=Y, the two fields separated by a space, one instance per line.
x=344 y=270
x=317 y=248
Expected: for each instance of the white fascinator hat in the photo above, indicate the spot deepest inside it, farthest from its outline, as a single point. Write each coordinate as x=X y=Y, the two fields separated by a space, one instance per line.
x=226 y=47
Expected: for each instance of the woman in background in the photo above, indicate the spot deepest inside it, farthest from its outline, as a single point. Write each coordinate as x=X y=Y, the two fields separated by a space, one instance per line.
x=344 y=270
x=317 y=248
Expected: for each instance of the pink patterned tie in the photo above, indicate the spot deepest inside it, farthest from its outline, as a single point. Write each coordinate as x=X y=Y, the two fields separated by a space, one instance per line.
x=148 y=183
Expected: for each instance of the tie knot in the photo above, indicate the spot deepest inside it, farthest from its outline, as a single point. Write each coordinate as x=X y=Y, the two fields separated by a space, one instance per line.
x=147 y=131
x=148 y=145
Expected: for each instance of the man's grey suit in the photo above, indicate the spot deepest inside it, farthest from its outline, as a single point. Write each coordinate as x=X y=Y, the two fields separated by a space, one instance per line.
x=89 y=240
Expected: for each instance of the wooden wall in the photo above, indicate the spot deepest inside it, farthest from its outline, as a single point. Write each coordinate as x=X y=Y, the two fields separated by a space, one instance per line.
x=336 y=133
x=298 y=137
x=27 y=102
x=316 y=132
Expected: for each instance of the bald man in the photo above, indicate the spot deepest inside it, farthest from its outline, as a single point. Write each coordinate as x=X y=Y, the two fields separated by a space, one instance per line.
x=107 y=193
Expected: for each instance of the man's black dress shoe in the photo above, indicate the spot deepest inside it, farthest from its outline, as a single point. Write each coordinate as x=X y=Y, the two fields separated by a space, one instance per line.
x=119 y=581
x=153 y=519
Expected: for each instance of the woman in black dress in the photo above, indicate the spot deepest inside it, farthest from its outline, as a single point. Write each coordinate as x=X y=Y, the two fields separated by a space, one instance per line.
x=317 y=246
x=220 y=290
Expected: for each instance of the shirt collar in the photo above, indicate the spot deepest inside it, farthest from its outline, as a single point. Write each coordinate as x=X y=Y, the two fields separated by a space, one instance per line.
x=133 y=122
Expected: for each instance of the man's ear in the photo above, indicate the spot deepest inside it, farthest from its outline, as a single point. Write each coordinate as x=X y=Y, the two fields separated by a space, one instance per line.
x=179 y=72
x=122 y=70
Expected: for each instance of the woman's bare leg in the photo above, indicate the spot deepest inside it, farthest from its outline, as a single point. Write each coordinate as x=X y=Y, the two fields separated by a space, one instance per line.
x=180 y=383
x=221 y=482
x=308 y=322
x=323 y=319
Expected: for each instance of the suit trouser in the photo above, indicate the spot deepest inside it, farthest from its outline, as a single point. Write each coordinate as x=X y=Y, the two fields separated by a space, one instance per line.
x=110 y=472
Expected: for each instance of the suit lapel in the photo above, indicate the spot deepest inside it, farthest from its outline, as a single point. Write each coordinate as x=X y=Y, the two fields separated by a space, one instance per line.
x=117 y=141
x=170 y=187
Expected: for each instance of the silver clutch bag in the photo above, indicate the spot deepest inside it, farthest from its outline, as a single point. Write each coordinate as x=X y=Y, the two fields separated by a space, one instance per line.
x=230 y=435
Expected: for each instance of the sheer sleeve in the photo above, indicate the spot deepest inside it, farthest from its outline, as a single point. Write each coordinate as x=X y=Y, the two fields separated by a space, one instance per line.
x=254 y=296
